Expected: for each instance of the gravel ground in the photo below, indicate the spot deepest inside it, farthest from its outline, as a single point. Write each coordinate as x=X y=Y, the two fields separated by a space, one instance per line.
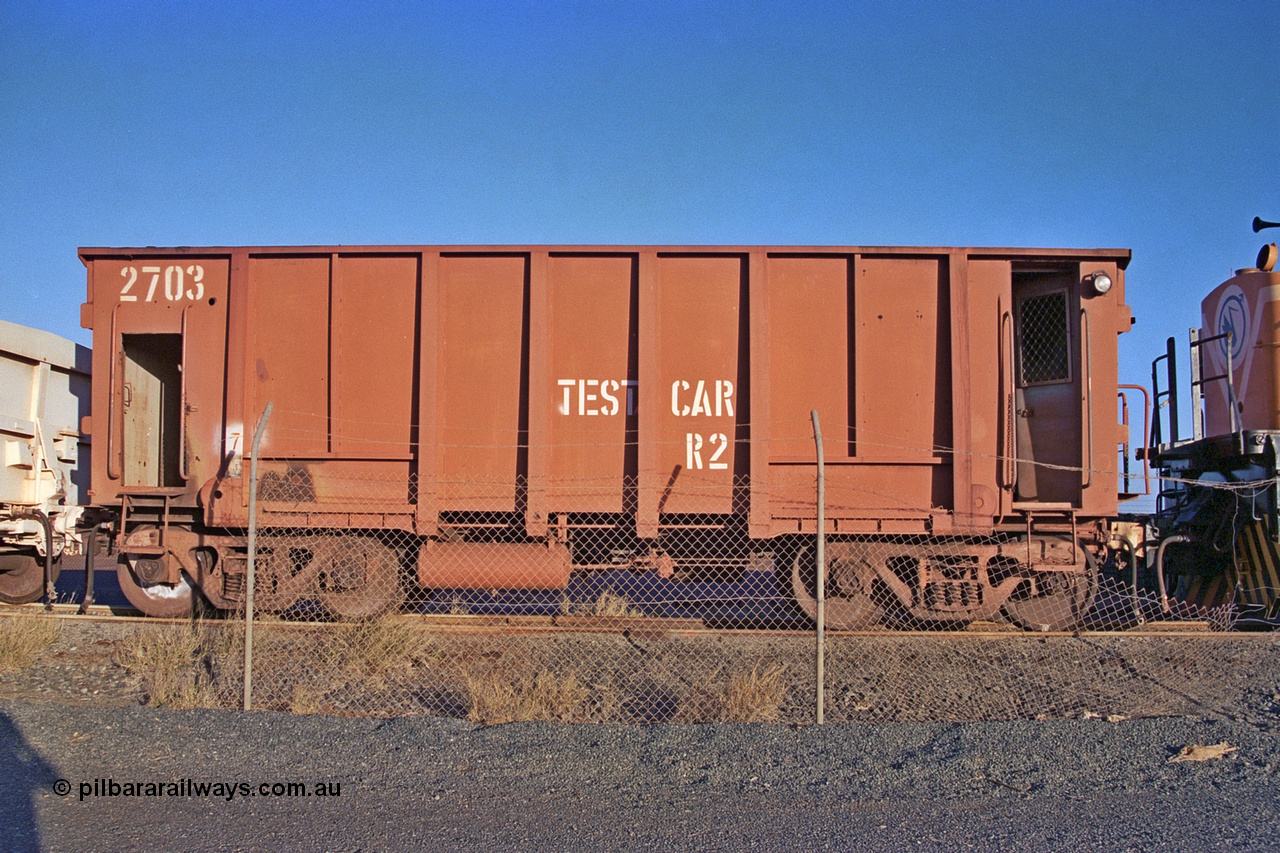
x=440 y=784
x=984 y=781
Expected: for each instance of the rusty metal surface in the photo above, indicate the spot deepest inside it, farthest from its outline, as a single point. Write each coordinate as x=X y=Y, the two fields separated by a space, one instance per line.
x=336 y=337
x=661 y=384
x=1246 y=306
x=592 y=361
x=501 y=565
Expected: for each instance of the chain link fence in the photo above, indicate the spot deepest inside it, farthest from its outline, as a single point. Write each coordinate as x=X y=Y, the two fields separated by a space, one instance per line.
x=703 y=622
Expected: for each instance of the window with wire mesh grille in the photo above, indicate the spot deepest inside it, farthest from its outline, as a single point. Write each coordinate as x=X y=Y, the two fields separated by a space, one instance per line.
x=1045 y=339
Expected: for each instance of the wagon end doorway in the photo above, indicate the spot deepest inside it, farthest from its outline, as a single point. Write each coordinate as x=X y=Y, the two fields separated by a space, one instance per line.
x=151 y=403
x=1048 y=387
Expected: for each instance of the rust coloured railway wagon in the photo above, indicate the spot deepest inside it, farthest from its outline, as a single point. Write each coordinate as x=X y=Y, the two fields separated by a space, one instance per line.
x=503 y=417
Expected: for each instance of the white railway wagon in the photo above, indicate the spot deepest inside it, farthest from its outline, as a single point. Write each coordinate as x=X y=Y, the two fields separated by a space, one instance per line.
x=44 y=392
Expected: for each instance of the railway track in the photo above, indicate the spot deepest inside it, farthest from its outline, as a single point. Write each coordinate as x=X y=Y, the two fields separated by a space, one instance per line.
x=647 y=625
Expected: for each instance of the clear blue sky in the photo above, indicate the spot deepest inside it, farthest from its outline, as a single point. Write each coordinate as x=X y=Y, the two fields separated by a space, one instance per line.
x=1149 y=126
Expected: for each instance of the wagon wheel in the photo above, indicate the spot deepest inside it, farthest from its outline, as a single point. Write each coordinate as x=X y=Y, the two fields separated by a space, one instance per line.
x=167 y=601
x=850 y=575
x=360 y=578
x=22 y=576
x=1058 y=601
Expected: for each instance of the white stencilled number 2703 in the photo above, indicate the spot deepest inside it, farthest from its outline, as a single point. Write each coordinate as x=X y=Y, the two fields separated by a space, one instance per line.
x=179 y=283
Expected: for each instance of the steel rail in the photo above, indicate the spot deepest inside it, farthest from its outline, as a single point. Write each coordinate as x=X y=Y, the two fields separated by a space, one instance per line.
x=653 y=625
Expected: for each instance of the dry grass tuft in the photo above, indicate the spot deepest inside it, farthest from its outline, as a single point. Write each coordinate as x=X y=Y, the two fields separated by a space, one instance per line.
x=755 y=696
x=379 y=646
x=23 y=637
x=198 y=693
x=175 y=663
x=610 y=605
x=540 y=696
x=306 y=700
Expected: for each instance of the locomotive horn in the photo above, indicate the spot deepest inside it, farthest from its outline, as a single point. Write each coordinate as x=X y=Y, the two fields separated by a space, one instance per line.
x=1259 y=223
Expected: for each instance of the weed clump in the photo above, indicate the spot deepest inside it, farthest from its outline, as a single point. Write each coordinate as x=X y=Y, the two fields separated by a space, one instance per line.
x=23 y=637
x=177 y=664
x=610 y=605
x=376 y=647
x=496 y=698
x=755 y=696
x=306 y=700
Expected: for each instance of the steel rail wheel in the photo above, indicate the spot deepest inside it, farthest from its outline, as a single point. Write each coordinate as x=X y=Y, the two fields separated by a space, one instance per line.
x=1057 y=601
x=359 y=577
x=22 y=576
x=850 y=605
x=167 y=601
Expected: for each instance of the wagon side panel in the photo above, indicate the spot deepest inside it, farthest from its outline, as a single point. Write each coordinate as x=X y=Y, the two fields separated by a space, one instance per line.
x=482 y=381
x=591 y=382
x=699 y=443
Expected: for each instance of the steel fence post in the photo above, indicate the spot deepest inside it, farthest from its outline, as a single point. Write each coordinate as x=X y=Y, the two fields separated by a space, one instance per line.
x=822 y=566
x=253 y=544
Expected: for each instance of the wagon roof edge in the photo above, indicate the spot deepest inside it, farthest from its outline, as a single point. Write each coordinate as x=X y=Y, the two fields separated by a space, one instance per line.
x=1121 y=256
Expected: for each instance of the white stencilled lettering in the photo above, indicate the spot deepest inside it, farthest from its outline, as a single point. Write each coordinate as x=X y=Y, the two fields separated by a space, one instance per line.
x=176 y=284
x=592 y=397
x=693 y=444
x=707 y=399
